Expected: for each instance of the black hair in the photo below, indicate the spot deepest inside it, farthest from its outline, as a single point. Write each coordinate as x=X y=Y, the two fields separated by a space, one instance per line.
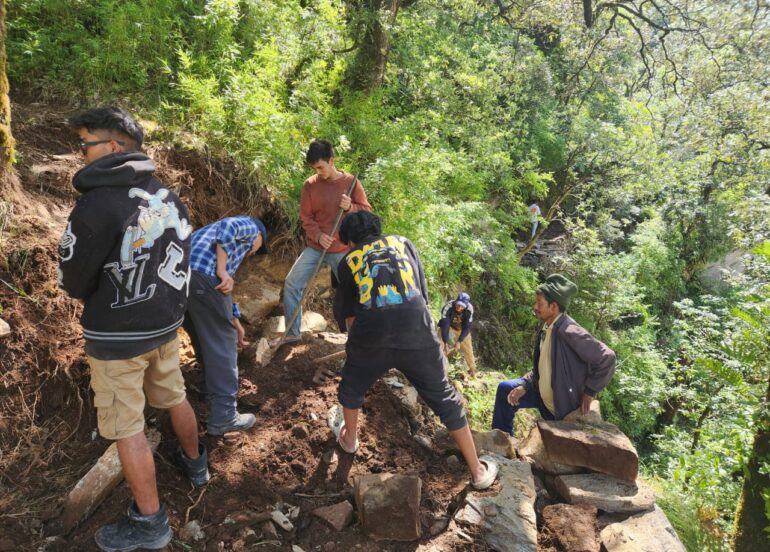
x=551 y=301
x=319 y=150
x=358 y=226
x=112 y=119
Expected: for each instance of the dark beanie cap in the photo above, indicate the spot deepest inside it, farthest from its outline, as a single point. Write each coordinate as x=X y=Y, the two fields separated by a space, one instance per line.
x=558 y=288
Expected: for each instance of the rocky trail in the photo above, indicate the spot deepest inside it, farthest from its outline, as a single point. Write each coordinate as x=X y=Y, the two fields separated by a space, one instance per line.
x=569 y=486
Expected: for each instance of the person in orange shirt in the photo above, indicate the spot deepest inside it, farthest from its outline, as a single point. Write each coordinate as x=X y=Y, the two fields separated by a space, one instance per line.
x=323 y=195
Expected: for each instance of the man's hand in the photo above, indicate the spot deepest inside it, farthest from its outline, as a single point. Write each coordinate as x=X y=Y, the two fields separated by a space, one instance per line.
x=585 y=404
x=326 y=241
x=457 y=347
x=241 y=333
x=226 y=283
x=445 y=349
x=516 y=394
x=345 y=202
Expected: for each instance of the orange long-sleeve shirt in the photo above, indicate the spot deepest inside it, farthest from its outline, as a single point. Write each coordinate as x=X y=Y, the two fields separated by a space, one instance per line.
x=320 y=203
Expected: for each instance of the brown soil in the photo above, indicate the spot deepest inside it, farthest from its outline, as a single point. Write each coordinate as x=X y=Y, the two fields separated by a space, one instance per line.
x=47 y=419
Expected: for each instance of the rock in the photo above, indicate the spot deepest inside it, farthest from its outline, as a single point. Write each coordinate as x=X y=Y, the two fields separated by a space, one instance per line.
x=192 y=532
x=606 y=493
x=532 y=450
x=338 y=516
x=646 y=532
x=295 y=548
x=5 y=329
x=261 y=355
x=600 y=447
x=438 y=526
x=594 y=414
x=508 y=517
x=281 y=520
x=94 y=487
x=452 y=460
x=292 y=512
x=405 y=393
x=494 y=441
x=300 y=431
x=389 y=505
x=334 y=338
x=424 y=440
x=257 y=298
x=311 y=322
x=573 y=527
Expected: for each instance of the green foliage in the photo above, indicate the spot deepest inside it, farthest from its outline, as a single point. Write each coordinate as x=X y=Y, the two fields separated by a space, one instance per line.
x=649 y=180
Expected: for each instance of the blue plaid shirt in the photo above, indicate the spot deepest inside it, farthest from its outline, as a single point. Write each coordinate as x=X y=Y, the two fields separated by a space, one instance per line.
x=236 y=236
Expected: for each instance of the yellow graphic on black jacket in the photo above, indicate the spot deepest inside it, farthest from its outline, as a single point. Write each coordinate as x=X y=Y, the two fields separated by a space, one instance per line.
x=382 y=268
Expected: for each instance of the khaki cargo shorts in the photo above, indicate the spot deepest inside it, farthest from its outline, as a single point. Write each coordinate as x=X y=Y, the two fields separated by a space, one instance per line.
x=120 y=387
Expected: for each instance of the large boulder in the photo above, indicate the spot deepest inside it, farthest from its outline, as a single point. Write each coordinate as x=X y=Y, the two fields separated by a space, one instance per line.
x=257 y=299
x=532 y=450
x=600 y=447
x=646 y=532
x=507 y=517
x=572 y=527
x=389 y=505
x=311 y=322
x=606 y=493
x=494 y=441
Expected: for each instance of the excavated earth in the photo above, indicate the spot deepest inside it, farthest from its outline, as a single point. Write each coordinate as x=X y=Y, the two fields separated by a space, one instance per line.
x=47 y=419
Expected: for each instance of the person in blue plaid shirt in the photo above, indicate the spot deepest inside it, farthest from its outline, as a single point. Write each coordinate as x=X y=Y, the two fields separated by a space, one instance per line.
x=212 y=318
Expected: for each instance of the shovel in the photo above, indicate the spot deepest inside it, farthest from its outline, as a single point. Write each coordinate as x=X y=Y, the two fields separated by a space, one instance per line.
x=268 y=353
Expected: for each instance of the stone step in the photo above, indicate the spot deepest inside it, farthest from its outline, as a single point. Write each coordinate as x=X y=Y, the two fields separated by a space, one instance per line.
x=598 y=446
x=606 y=493
x=507 y=518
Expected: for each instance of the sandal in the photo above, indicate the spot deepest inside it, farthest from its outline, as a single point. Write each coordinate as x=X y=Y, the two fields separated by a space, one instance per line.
x=489 y=478
x=336 y=421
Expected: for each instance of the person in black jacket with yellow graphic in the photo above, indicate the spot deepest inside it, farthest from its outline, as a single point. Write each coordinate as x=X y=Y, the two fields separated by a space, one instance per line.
x=383 y=298
x=126 y=254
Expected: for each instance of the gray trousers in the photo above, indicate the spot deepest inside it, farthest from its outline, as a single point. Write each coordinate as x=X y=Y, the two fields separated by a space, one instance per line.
x=208 y=321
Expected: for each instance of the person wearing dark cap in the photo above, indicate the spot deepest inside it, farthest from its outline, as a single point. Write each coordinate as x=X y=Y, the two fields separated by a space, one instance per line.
x=456 y=321
x=212 y=318
x=383 y=297
x=570 y=366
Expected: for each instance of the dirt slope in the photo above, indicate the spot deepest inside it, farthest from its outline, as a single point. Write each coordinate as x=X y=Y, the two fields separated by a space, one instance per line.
x=47 y=419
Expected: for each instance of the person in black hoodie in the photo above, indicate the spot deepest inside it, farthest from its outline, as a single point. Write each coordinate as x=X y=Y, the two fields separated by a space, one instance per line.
x=383 y=298
x=125 y=254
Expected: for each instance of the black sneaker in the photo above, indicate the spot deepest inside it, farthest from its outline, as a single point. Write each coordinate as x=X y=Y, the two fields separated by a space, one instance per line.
x=196 y=470
x=242 y=422
x=135 y=531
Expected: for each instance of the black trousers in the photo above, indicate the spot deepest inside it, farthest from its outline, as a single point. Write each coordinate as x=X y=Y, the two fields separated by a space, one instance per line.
x=426 y=370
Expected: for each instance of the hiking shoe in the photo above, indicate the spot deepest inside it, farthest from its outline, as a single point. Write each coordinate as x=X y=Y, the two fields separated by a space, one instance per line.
x=242 y=422
x=135 y=531
x=196 y=470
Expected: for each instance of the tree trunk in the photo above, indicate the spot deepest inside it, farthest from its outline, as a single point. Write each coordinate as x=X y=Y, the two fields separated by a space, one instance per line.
x=375 y=17
x=6 y=139
x=751 y=518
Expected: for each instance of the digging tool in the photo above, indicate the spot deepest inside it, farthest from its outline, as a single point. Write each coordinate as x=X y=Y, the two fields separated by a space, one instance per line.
x=269 y=351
